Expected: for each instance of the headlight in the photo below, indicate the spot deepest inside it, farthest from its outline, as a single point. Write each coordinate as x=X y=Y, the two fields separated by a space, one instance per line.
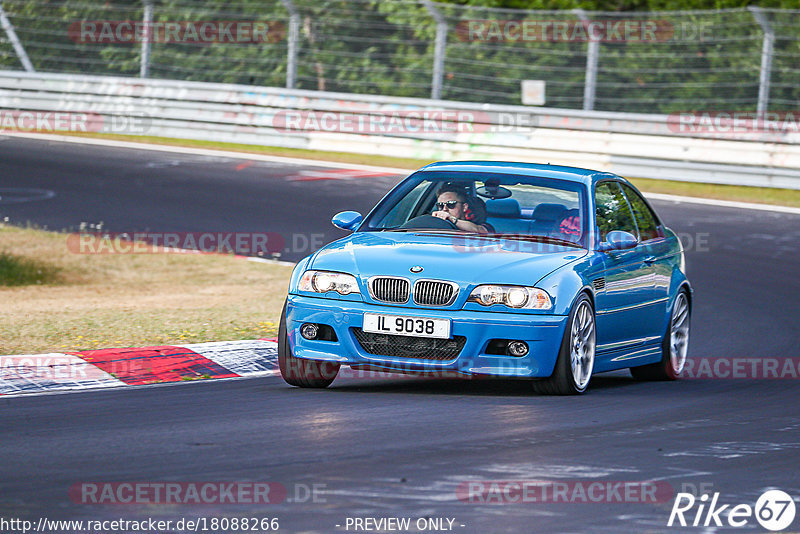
x=512 y=296
x=324 y=281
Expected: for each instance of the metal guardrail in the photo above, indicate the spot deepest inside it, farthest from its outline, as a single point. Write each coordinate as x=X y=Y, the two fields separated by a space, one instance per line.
x=642 y=145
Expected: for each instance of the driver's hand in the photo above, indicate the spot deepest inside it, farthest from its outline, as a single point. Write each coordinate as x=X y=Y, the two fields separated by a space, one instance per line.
x=441 y=214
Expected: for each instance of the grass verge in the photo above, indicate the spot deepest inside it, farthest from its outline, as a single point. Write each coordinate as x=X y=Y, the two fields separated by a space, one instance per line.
x=301 y=153
x=19 y=271
x=762 y=195
x=756 y=195
x=130 y=300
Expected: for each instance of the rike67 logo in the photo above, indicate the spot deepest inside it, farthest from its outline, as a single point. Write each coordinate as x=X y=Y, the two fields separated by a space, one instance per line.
x=774 y=510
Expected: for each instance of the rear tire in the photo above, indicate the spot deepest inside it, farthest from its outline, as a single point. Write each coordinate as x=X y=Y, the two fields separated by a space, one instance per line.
x=573 y=369
x=299 y=371
x=674 y=346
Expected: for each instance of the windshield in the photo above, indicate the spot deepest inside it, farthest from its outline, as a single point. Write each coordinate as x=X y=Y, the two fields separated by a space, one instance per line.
x=496 y=205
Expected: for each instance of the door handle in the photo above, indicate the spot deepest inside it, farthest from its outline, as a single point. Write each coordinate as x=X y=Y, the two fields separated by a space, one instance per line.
x=649 y=260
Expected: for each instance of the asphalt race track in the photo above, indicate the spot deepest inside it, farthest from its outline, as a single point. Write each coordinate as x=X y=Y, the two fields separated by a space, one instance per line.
x=400 y=447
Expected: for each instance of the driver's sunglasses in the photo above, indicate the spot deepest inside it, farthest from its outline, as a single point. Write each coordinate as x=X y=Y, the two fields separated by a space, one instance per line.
x=450 y=204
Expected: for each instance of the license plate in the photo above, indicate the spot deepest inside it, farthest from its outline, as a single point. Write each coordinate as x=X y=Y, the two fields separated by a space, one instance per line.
x=400 y=325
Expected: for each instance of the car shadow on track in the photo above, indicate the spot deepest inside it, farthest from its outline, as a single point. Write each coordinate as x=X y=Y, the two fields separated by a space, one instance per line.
x=494 y=387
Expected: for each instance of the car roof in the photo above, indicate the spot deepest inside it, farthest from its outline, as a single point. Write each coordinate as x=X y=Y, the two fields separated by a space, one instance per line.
x=543 y=170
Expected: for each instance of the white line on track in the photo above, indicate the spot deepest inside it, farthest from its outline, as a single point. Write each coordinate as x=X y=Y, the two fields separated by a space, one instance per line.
x=209 y=152
x=340 y=165
x=256 y=259
x=724 y=203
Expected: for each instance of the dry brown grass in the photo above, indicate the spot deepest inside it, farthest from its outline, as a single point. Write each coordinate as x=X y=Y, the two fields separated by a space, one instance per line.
x=125 y=300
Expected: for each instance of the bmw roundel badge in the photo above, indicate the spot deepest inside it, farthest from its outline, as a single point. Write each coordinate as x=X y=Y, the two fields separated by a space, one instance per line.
x=416 y=269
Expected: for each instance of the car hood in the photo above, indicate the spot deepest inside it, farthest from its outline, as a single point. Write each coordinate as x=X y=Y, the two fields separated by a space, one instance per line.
x=464 y=259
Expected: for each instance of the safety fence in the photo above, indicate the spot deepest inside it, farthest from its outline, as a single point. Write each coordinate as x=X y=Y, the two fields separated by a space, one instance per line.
x=735 y=60
x=714 y=149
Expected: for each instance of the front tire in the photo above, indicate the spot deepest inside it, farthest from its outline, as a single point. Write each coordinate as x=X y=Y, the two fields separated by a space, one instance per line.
x=299 y=371
x=575 y=362
x=674 y=346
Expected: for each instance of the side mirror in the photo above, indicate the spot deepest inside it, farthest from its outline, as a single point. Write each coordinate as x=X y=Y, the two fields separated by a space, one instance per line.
x=618 y=240
x=347 y=220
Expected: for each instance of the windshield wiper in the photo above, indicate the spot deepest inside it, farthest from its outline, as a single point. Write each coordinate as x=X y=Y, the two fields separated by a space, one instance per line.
x=428 y=231
x=448 y=232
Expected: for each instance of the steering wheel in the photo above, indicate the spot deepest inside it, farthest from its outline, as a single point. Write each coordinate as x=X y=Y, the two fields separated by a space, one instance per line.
x=429 y=221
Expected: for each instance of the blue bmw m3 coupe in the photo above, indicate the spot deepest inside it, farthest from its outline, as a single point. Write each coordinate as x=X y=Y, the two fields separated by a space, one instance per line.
x=533 y=271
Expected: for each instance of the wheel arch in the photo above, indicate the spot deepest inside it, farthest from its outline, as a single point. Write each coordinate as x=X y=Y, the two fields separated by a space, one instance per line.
x=685 y=285
x=589 y=292
x=585 y=290
x=567 y=284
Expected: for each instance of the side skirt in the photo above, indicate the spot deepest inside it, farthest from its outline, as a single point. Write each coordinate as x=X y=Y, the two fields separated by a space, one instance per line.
x=611 y=360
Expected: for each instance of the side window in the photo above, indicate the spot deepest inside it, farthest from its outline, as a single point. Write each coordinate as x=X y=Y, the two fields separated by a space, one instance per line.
x=613 y=212
x=645 y=220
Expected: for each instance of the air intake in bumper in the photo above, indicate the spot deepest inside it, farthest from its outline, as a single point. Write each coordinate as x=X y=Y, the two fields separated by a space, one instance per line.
x=422 y=348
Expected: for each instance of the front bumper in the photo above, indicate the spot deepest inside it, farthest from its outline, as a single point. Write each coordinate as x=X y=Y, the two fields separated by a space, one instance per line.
x=542 y=333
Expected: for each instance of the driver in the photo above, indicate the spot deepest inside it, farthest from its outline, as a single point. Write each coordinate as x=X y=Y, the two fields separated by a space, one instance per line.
x=452 y=206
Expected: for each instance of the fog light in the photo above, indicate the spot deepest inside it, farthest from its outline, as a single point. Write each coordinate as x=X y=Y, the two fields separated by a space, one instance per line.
x=309 y=331
x=517 y=348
